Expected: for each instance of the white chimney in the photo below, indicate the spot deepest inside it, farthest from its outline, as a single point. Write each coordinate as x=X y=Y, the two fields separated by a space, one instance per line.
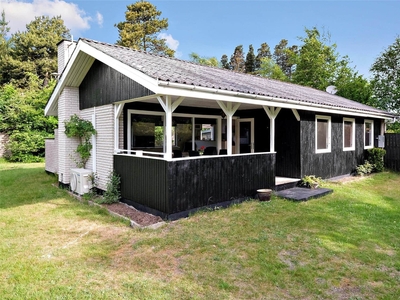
x=65 y=50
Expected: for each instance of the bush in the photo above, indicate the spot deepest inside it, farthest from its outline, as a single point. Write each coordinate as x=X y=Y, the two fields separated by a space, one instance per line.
x=365 y=169
x=112 y=194
x=375 y=157
x=26 y=146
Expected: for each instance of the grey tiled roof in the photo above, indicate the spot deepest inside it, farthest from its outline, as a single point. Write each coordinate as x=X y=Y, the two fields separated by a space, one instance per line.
x=189 y=73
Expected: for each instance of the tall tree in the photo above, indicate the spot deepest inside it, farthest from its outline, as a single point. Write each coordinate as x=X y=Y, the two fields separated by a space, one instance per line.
x=237 y=59
x=141 y=28
x=386 y=78
x=250 y=63
x=207 y=61
x=283 y=56
x=316 y=62
x=262 y=52
x=34 y=51
x=4 y=42
x=225 y=62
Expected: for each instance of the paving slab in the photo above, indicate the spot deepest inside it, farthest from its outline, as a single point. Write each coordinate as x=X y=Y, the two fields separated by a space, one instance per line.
x=303 y=194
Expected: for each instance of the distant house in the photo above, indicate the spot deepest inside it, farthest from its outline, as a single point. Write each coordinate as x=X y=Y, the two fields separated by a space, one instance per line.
x=149 y=111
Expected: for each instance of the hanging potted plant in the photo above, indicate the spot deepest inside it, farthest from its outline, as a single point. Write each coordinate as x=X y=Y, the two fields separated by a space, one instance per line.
x=82 y=129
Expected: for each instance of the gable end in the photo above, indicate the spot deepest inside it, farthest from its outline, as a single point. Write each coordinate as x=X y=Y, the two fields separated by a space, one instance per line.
x=103 y=85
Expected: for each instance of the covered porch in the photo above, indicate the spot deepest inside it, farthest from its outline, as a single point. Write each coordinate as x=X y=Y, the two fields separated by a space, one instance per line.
x=161 y=174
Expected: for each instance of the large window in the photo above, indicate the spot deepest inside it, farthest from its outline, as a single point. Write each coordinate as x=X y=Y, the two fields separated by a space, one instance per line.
x=348 y=134
x=322 y=134
x=368 y=134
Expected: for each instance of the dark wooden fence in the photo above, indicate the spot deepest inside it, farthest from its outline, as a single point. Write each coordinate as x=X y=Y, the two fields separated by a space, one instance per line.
x=392 y=147
x=171 y=189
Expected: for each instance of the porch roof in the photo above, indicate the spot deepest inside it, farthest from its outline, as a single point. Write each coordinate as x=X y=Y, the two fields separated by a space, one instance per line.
x=164 y=75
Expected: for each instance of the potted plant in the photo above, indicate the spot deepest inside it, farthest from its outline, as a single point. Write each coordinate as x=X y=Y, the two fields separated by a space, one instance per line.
x=82 y=129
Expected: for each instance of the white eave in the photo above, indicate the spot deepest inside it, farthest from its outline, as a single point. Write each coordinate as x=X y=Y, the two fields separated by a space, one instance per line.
x=84 y=56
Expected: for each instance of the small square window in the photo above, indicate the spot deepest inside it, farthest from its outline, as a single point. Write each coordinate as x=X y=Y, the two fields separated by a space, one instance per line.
x=368 y=134
x=322 y=134
x=348 y=134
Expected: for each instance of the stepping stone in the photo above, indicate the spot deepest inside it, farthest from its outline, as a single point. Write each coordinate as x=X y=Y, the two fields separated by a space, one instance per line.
x=303 y=194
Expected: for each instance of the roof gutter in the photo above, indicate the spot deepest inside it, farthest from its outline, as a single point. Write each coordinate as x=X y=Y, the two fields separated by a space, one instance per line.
x=268 y=98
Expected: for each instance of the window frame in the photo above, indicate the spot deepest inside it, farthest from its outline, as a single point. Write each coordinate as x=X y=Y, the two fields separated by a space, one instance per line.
x=329 y=134
x=371 y=133
x=353 y=134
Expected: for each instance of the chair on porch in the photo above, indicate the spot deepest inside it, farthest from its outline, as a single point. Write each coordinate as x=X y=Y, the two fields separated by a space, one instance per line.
x=210 y=151
x=177 y=153
x=194 y=153
x=223 y=151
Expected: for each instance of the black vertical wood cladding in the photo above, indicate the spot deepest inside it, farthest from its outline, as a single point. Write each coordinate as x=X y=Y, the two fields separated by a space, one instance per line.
x=337 y=162
x=392 y=147
x=177 y=186
x=104 y=85
x=287 y=144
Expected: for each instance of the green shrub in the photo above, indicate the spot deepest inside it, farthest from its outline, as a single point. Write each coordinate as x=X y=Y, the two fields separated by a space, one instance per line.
x=311 y=181
x=375 y=157
x=112 y=193
x=365 y=169
x=26 y=146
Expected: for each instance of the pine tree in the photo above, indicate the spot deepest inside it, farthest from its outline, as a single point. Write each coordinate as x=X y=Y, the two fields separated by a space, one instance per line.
x=250 y=63
x=237 y=59
x=225 y=62
x=282 y=56
x=34 y=51
x=141 y=28
x=262 y=52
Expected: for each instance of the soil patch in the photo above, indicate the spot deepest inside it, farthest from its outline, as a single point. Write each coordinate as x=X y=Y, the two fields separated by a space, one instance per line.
x=141 y=218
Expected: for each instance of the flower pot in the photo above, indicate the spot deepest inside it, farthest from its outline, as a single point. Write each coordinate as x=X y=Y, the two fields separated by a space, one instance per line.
x=264 y=194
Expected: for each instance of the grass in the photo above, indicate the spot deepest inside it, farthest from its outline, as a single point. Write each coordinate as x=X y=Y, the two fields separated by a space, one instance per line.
x=342 y=246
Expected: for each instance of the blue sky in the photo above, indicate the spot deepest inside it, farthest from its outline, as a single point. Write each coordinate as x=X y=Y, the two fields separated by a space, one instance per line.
x=361 y=29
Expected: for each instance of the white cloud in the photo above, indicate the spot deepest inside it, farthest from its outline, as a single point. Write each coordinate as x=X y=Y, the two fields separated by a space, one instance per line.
x=100 y=19
x=169 y=40
x=20 y=13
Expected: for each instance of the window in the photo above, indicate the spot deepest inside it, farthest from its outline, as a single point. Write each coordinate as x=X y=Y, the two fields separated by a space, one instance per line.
x=323 y=134
x=348 y=134
x=368 y=134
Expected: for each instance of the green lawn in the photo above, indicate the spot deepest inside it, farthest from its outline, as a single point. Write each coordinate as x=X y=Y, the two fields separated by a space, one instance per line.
x=343 y=246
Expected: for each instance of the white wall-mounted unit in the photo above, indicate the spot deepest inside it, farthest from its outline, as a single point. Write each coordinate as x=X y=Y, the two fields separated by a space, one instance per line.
x=80 y=182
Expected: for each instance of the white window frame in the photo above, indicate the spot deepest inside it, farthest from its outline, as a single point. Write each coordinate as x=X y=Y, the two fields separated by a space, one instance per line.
x=353 y=134
x=371 y=134
x=329 y=137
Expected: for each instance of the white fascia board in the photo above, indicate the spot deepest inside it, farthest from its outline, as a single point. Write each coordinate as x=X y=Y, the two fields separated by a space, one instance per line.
x=136 y=75
x=167 y=88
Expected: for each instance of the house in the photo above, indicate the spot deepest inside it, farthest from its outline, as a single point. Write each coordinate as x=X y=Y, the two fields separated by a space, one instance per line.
x=149 y=112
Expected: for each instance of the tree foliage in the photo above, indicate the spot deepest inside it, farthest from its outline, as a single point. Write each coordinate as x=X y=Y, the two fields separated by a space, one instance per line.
x=22 y=118
x=141 y=28
x=386 y=78
x=283 y=56
x=33 y=51
x=263 y=52
x=250 y=63
x=237 y=62
x=225 y=62
x=270 y=69
x=207 y=61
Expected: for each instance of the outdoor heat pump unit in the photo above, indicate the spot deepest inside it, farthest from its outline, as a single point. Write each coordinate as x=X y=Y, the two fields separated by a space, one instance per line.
x=80 y=182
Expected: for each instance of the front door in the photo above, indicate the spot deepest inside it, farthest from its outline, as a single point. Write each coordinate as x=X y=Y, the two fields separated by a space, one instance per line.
x=244 y=136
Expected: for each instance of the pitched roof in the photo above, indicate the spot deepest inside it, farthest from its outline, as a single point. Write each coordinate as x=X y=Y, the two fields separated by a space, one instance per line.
x=171 y=70
x=188 y=73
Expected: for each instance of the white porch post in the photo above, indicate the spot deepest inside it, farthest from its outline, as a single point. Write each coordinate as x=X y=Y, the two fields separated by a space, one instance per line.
x=229 y=112
x=272 y=113
x=117 y=113
x=219 y=133
x=169 y=108
x=168 y=128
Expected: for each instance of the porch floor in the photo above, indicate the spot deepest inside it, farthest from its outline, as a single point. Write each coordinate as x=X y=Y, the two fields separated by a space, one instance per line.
x=284 y=183
x=303 y=194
